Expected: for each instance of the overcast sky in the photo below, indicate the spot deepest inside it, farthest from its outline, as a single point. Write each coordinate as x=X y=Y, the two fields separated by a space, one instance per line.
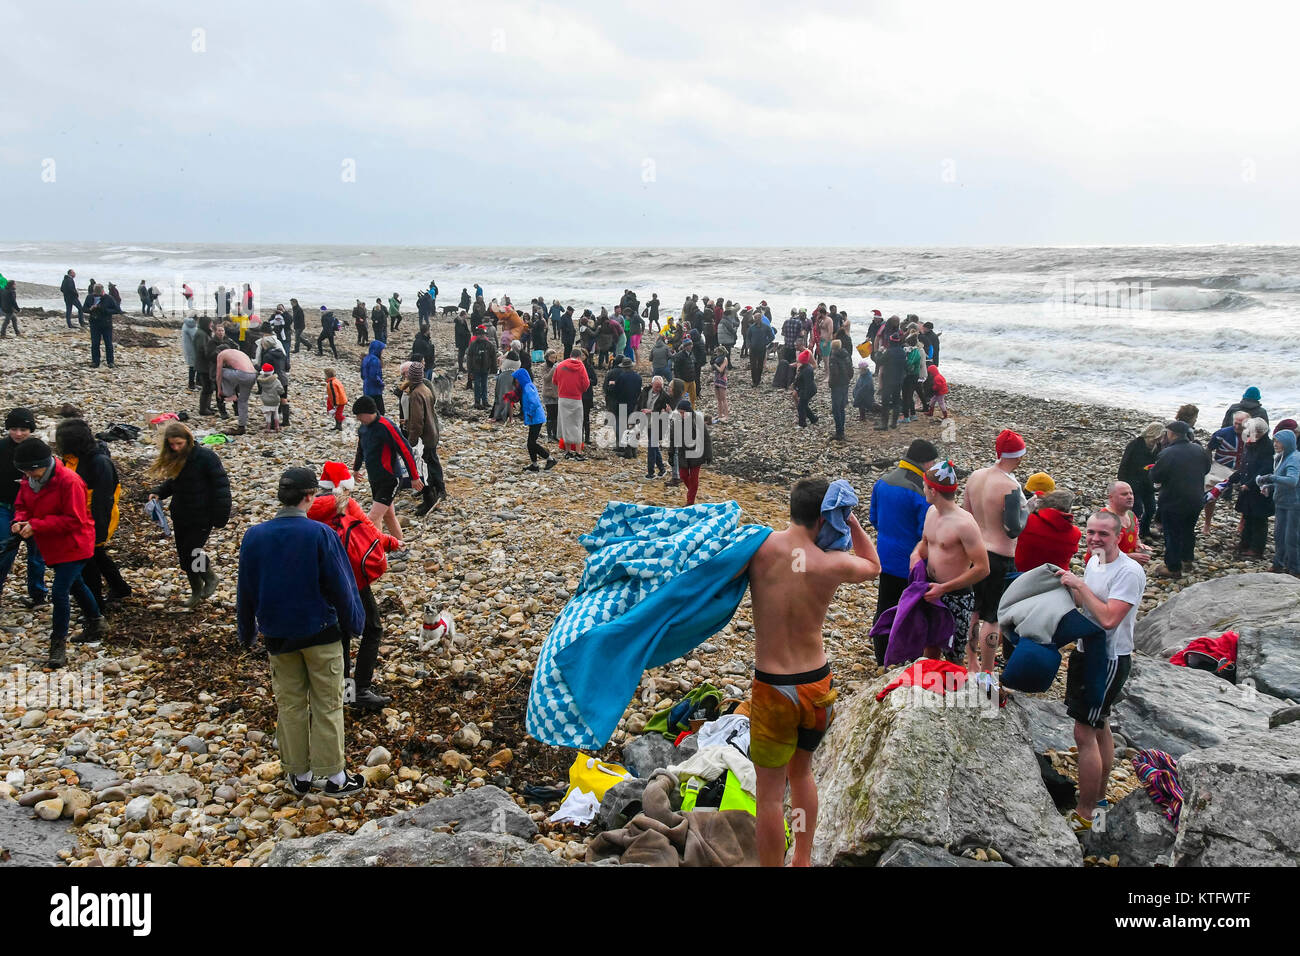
x=665 y=123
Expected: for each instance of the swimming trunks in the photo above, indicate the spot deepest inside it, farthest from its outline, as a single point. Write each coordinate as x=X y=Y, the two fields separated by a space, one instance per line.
x=961 y=604
x=988 y=593
x=789 y=712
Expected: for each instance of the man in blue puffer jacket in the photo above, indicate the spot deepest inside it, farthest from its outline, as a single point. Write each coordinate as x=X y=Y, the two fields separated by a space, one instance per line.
x=525 y=393
x=372 y=375
x=1285 y=482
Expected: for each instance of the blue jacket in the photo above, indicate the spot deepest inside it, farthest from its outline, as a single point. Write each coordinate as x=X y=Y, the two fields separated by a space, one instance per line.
x=1285 y=479
x=529 y=400
x=898 y=509
x=557 y=313
x=292 y=618
x=372 y=370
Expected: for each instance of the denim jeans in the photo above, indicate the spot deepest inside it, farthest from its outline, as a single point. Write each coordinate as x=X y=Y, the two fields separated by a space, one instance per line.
x=36 y=589
x=68 y=583
x=480 y=388
x=654 y=459
x=1286 y=539
x=839 y=405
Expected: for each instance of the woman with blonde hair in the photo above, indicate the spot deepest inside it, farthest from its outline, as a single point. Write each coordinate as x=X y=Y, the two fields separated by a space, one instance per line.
x=1135 y=468
x=193 y=477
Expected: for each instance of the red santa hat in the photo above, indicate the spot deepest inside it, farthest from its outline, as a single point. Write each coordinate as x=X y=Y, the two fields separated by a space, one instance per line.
x=335 y=475
x=805 y=357
x=1009 y=444
x=876 y=313
x=268 y=367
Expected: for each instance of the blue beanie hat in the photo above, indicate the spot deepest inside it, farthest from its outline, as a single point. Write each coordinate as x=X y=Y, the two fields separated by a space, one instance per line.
x=1250 y=395
x=684 y=405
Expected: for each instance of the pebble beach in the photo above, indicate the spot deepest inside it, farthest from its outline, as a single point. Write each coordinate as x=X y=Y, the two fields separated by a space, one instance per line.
x=188 y=716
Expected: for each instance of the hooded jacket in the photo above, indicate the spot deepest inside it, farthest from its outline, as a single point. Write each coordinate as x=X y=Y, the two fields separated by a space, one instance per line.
x=571 y=379
x=422 y=348
x=938 y=384
x=1257 y=461
x=841 y=374
x=1050 y=537
x=421 y=416
x=1249 y=405
x=272 y=390
x=529 y=400
x=1180 y=472
x=482 y=354
x=372 y=370
x=1285 y=479
x=61 y=526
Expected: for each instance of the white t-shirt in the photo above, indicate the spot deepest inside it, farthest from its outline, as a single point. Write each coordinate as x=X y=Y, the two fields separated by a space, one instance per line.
x=1120 y=580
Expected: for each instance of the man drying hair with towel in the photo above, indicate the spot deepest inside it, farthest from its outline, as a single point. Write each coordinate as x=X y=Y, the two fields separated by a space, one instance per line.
x=792 y=582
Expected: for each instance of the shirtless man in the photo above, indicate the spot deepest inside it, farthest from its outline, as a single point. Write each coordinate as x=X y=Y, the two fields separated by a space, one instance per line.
x=1119 y=502
x=986 y=499
x=792 y=582
x=235 y=379
x=953 y=551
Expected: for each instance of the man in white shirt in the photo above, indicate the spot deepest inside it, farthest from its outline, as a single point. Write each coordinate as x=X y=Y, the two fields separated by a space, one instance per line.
x=1108 y=594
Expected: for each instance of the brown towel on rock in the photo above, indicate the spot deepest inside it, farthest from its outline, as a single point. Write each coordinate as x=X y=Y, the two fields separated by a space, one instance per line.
x=662 y=836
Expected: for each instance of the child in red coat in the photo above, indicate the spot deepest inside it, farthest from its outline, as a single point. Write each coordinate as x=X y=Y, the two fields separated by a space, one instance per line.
x=938 y=390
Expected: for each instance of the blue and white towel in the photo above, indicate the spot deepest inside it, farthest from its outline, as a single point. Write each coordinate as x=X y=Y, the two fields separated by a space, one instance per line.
x=154 y=509
x=658 y=582
x=837 y=505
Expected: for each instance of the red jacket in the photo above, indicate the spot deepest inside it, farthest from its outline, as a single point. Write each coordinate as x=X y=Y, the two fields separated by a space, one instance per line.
x=367 y=547
x=1050 y=537
x=570 y=379
x=937 y=381
x=63 y=530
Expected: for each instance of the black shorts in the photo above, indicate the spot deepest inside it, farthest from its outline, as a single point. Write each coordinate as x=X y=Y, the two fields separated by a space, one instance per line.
x=383 y=488
x=1115 y=673
x=988 y=593
x=961 y=604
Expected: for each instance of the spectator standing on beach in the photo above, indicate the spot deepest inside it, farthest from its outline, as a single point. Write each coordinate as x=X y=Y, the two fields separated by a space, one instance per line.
x=1180 y=472
x=9 y=306
x=1135 y=468
x=372 y=374
x=71 y=298
x=758 y=338
x=146 y=300
x=572 y=379
x=481 y=360
x=359 y=320
x=804 y=388
x=1284 y=487
x=417 y=409
x=892 y=369
x=463 y=336
x=299 y=325
x=995 y=498
x=1253 y=504
x=1227 y=449
x=303 y=623
x=1108 y=594
x=101 y=309
x=189 y=350
x=394 y=311
x=841 y=377
x=897 y=511
x=379 y=320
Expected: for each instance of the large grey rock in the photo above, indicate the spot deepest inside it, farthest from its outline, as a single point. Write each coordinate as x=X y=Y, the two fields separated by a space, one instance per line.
x=908 y=853
x=410 y=846
x=650 y=752
x=94 y=776
x=941 y=776
x=621 y=803
x=1221 y=604
x=1269 y=657
x=484 y=810
x=1178 y=709
x=1135 y=830
x=1050 y=728
x=1241 y=803
x=30 y=841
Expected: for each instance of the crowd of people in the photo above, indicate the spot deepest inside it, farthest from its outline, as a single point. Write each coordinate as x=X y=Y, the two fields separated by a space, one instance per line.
x=960 y=547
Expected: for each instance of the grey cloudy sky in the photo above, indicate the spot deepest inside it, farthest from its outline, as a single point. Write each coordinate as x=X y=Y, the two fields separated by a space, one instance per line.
x=666 y=123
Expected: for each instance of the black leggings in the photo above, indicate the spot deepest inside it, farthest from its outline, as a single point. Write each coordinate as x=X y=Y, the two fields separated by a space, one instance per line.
x=321 y=338
x=535 y=448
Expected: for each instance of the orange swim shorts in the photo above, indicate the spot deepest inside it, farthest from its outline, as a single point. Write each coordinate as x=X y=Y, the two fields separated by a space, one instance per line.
x=789 y=712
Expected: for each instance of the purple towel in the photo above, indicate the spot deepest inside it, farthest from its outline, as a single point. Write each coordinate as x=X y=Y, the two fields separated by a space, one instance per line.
x=914 y=623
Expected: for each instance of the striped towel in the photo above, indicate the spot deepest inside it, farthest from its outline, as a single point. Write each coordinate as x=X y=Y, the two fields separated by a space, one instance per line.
x=1159 y=773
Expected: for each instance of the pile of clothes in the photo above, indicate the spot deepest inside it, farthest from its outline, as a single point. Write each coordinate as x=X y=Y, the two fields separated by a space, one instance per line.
x=1218 y=655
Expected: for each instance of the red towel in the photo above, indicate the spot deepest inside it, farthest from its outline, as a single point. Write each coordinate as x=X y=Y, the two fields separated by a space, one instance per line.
x=1225 y=645
x=930 y=674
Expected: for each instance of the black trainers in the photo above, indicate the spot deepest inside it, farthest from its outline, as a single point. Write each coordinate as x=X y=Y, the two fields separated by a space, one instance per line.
x=550 y=463
x=352 y=783
x=299 y=787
